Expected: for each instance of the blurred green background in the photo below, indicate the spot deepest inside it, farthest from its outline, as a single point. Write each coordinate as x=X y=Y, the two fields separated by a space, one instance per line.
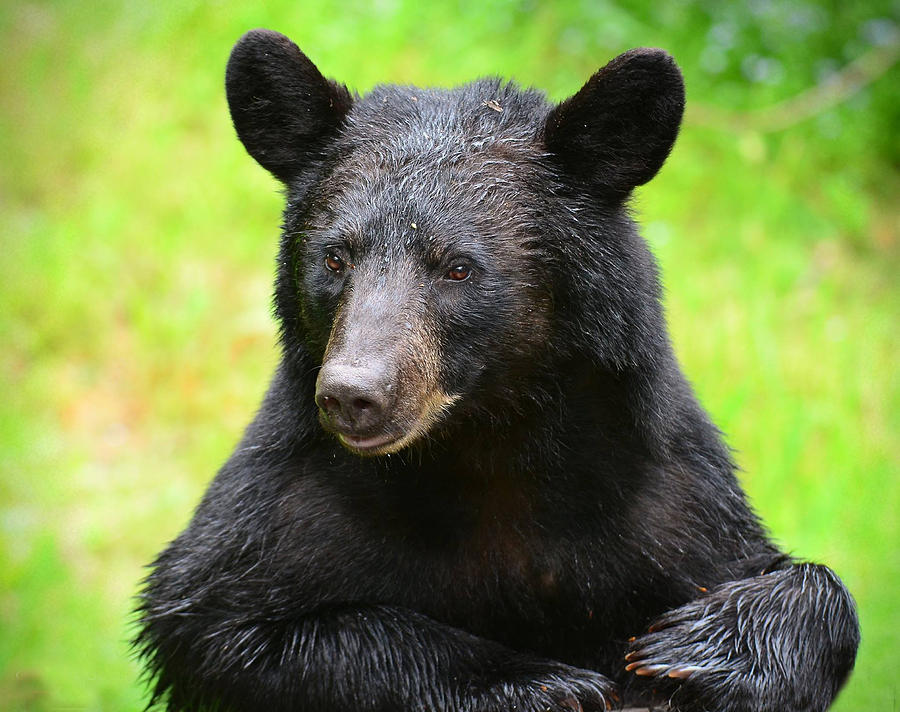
x=137 y=245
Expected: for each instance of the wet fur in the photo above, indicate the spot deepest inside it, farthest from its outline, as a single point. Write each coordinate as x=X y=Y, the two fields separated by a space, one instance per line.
x=572 y=506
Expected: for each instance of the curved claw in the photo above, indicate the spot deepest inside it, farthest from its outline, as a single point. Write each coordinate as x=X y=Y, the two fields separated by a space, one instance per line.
x=650 y=670
x=676 y=672
x=682 y=673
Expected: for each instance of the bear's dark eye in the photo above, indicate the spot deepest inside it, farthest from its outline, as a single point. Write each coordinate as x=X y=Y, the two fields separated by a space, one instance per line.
x=459 y=273
x=334 y=262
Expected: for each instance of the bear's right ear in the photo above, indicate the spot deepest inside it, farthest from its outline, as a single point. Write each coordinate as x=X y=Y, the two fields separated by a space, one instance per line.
x=617 y=131
x=283 y=109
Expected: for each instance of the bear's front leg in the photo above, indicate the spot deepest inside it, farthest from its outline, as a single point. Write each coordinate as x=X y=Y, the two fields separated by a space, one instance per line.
x=363 y=658
x=785 y=641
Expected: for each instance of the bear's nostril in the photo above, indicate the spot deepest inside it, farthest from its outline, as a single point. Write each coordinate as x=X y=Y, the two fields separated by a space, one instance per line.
x=329 y=404
x=361 y=404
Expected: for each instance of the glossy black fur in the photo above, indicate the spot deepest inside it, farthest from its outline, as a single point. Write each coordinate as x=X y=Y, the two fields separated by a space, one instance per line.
x=573 y=506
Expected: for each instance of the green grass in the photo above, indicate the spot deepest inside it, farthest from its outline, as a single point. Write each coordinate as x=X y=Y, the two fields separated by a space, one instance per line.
x=137 y=247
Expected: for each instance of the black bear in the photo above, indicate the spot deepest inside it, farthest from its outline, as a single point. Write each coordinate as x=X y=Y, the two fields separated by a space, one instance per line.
x=479 y=480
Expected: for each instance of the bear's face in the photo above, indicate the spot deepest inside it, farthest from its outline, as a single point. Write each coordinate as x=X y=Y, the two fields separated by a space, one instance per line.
x=422 y=266
x=417 y=262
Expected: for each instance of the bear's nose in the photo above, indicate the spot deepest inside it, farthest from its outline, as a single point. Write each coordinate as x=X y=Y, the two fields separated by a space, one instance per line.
x=354 y=399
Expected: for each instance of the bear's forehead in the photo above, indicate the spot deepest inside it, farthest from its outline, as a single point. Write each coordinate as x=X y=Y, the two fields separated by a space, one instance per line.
x=405 y=144
x=447 y=125
x=433 y=160
x=427 y=183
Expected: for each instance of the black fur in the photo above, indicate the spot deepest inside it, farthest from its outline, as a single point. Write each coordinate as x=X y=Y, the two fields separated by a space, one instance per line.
x=285 y=110
x=633 y=107
x=567 y=504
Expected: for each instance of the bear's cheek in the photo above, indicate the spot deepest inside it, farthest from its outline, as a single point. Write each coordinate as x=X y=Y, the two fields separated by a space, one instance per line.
x=496 y=329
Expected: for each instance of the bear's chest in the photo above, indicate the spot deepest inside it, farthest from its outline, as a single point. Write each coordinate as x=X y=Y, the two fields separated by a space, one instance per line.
x=493 y=567
x=478 y=540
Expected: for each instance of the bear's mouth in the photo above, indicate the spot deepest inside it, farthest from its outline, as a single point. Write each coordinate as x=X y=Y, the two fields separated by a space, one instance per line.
x=373 y=445
x=386 y=443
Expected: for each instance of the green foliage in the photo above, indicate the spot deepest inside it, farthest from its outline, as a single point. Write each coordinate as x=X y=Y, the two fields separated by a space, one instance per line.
x=137 y=244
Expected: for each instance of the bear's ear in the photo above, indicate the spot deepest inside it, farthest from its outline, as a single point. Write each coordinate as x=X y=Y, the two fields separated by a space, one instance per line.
x=616 y=132
x=282 y=107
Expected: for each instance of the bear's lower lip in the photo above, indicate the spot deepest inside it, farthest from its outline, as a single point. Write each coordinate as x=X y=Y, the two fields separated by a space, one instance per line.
x=367 y=445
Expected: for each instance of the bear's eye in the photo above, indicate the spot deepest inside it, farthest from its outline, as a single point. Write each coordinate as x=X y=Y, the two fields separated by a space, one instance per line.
x=334 y=262
x=459 y=273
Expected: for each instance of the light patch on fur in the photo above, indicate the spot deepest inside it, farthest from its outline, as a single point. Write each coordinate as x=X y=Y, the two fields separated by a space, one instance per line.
x=434 y=407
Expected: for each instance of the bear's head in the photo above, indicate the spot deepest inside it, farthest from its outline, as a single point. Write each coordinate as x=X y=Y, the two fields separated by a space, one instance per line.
x=444 y=250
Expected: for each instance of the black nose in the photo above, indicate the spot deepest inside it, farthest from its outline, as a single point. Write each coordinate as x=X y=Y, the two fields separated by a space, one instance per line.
x=354 y=399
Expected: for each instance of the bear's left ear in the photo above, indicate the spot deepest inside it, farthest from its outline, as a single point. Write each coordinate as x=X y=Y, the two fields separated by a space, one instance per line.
x=282 y=107
x=617 y=131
